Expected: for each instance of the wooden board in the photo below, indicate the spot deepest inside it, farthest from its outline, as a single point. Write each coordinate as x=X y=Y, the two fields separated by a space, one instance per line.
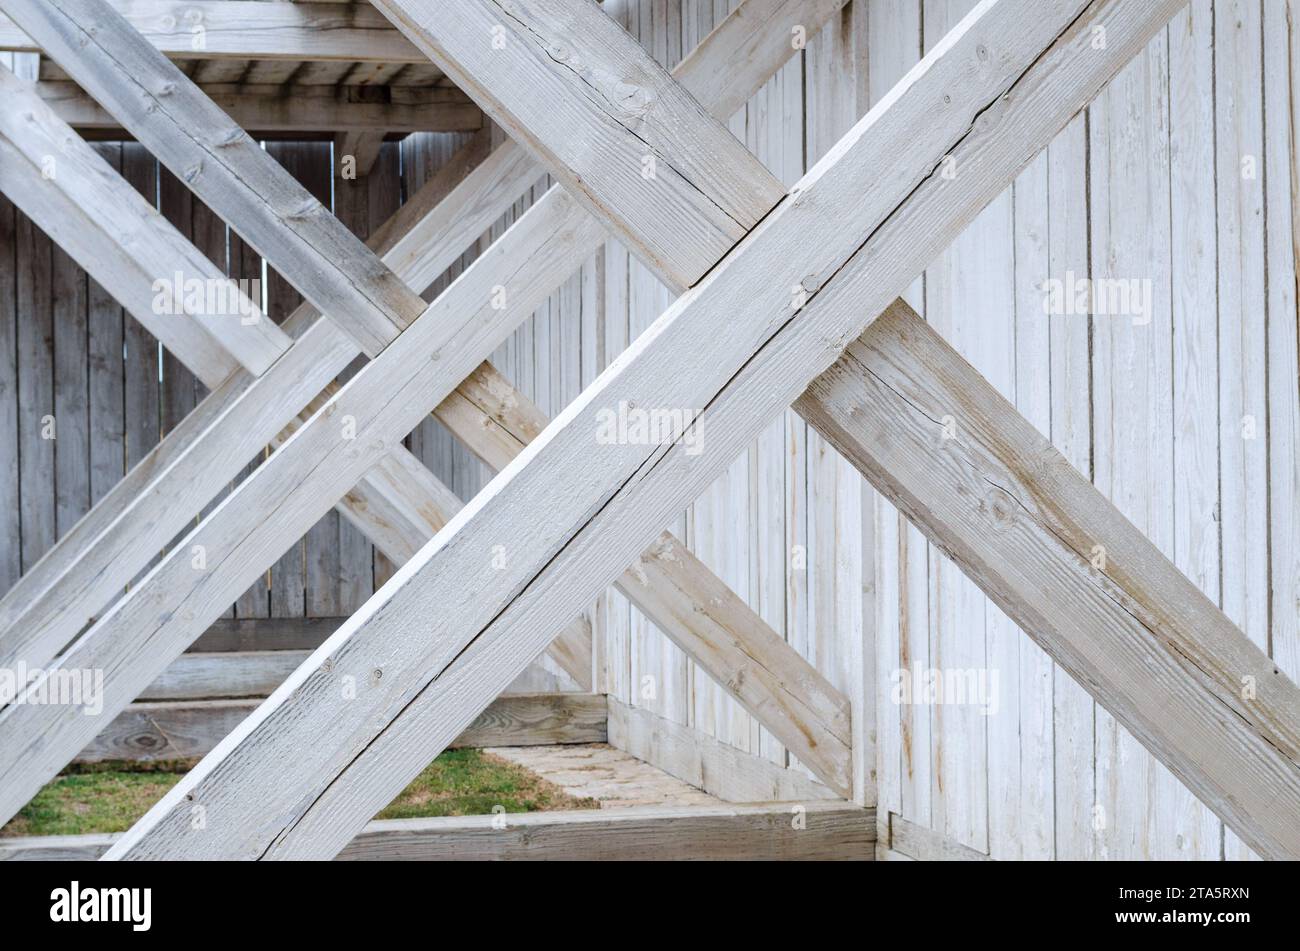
x=656 y=833
x=160 y=731
x=1007 y=507
x=699 y=759
x=246 y=29
x=920 y=844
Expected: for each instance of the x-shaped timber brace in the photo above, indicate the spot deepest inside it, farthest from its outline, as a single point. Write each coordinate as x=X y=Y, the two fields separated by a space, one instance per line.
x=435 y=646
x=676 y=590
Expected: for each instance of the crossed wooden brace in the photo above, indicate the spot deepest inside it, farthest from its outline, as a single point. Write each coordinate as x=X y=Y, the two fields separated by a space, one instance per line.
x=435 y=646
x=399 y=504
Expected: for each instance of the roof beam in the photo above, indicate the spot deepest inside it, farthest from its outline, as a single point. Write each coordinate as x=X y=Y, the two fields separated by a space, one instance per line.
x=303 y=773
x=251 y=29
x=1065 y=565
x=168 y=609
x=292 y=108
x=223 y=165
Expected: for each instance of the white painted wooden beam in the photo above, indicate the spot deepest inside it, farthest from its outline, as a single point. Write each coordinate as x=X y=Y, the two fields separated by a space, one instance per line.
x=289 y=109
x=123 y=241
x=301 y=776
x=539 y=252
x=126 y=243
x=688 y=602
x=223 y=165
x=251 y=29
x=74 y=229
x=630 y=143
x=1064 y=564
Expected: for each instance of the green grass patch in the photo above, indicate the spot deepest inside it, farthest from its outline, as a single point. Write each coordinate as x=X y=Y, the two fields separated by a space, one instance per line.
x=110 y=797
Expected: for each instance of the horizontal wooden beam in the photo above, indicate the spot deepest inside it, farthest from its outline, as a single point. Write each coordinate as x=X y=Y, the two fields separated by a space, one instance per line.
x=203 y=674
x=922 y=844
x=828 y=832
x=224 y=675
x=695 y=757
x=1063 y=563
x=258 y=634
x=251 y=29
x=291 y=109
x=183 y=730
x=814 y=831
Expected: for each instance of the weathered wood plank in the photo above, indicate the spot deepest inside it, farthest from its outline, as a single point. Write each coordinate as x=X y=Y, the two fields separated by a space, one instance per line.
x=859 y=228
x=1019 y=519
x=831 y=831
x=10 y=514
x=630 y=143
x=816 y=832
x=127 y=245
x=262 y=634
x=178 y=730
x=693 y=606
x=701 y=760
x=37 y=424
x=225 y=675
x=290 y=109
x=245 y=29
x=239 y=539
x=356 y=150
x=1282 y=156
x=223 y=165
x=925 y=845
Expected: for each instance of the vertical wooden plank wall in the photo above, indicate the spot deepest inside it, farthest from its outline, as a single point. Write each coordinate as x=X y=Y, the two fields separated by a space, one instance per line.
x=1181 y=175
x=789 y=526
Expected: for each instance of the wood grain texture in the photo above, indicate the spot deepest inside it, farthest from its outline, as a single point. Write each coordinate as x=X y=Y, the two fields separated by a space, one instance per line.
x=224 y=675
x=398 y=504
x=833 y=831
x=386 y=400
x=247 y=29
x=1020 y=520
x=177 y=730
x=271 y=111
x=632 y=145
x=189 y=134
x=692 y=605
x=920 y=844
x=701 y=760
x=994 y=68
